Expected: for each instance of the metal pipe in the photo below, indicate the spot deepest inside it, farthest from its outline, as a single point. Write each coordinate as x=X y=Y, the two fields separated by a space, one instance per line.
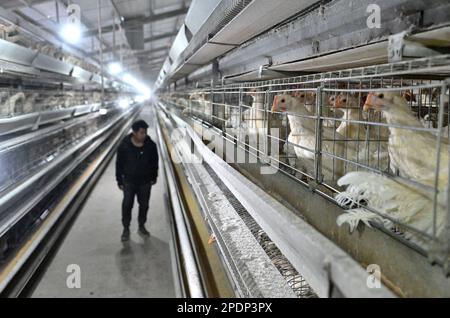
x=318 y=146
x=446 y=235
x=190 y=264
x=57 y=11
x=114 y=35
x=438 y=158
x=99 y=9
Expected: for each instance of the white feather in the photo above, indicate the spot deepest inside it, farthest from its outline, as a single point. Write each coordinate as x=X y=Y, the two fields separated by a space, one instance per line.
x=303 y=135
x=405 y=203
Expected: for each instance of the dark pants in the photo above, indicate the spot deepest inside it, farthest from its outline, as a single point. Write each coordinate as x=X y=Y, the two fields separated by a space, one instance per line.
x=143 y=197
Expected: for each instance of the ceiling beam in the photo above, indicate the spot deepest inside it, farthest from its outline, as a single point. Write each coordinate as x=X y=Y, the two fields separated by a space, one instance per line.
x=155 y=17
x=129 y=23
x=152 y=60
x=144 y=60
x=157 y=64
x=150 y=73
x=150 y=51
x=136 y=66
x=147 y=55
x=155 y=59
x=147 y=40
x=160 y=37
x=151 y=66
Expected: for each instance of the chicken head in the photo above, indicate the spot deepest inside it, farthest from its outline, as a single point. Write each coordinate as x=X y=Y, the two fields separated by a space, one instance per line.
x=292 y=103
x=383 y=101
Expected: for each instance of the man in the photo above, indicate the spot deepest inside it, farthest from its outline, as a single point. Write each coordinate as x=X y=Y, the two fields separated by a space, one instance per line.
x=136 y=172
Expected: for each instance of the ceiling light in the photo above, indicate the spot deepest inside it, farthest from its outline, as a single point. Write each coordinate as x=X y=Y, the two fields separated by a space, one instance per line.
x=115 y=68
x=71 y=33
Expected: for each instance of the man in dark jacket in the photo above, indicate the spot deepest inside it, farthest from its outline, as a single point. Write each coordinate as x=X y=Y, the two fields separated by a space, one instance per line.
x=136 y=172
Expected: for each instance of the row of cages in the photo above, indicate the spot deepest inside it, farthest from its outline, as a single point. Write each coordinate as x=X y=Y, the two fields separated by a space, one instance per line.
x=16 y=102
x=23 y=159
x=375 y=143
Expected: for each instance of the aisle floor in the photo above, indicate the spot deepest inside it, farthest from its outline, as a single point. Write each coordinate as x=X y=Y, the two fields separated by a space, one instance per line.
x=109 y=268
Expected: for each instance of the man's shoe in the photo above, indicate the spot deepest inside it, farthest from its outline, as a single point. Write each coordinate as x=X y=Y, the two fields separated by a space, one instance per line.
x=126 y=235
x=143 y=231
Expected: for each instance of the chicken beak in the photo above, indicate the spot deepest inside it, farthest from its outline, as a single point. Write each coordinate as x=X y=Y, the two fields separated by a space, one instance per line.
x=275 y=104
x=372 y=102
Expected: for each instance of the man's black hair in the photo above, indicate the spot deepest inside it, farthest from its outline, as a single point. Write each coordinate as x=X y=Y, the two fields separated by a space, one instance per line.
x=138 y=125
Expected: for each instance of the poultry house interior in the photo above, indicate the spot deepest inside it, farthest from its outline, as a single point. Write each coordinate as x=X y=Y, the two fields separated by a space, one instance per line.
x=300 y=149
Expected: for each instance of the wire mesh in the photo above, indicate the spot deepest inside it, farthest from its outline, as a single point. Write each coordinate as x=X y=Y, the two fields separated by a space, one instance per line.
x=16 y=102
x=374 y=139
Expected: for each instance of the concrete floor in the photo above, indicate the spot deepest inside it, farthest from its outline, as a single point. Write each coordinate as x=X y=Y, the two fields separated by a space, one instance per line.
x=140 y=268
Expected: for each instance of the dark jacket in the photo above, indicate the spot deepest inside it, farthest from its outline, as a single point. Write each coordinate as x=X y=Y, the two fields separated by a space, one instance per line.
x=136 y=165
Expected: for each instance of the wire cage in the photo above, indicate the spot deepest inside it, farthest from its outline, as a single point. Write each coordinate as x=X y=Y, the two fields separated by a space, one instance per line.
x=16 y=102
x=21 y=159
x=375 y=140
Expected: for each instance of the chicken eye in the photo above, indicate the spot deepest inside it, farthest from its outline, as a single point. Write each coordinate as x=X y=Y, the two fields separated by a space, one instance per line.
x=283 y=100
x=302 y=95
x=381 y=96
x=344 y=100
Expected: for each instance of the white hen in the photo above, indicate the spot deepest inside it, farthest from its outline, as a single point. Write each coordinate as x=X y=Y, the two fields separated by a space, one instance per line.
x=412 y=152
x=16 y=102
x=29 y=104
x=255 y=117
x=404 y=203
x=365 y=144
x=242 y=114
x=303 y=135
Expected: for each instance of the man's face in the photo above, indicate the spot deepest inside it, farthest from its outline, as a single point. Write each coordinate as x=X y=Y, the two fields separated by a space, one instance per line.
x=140 y=135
